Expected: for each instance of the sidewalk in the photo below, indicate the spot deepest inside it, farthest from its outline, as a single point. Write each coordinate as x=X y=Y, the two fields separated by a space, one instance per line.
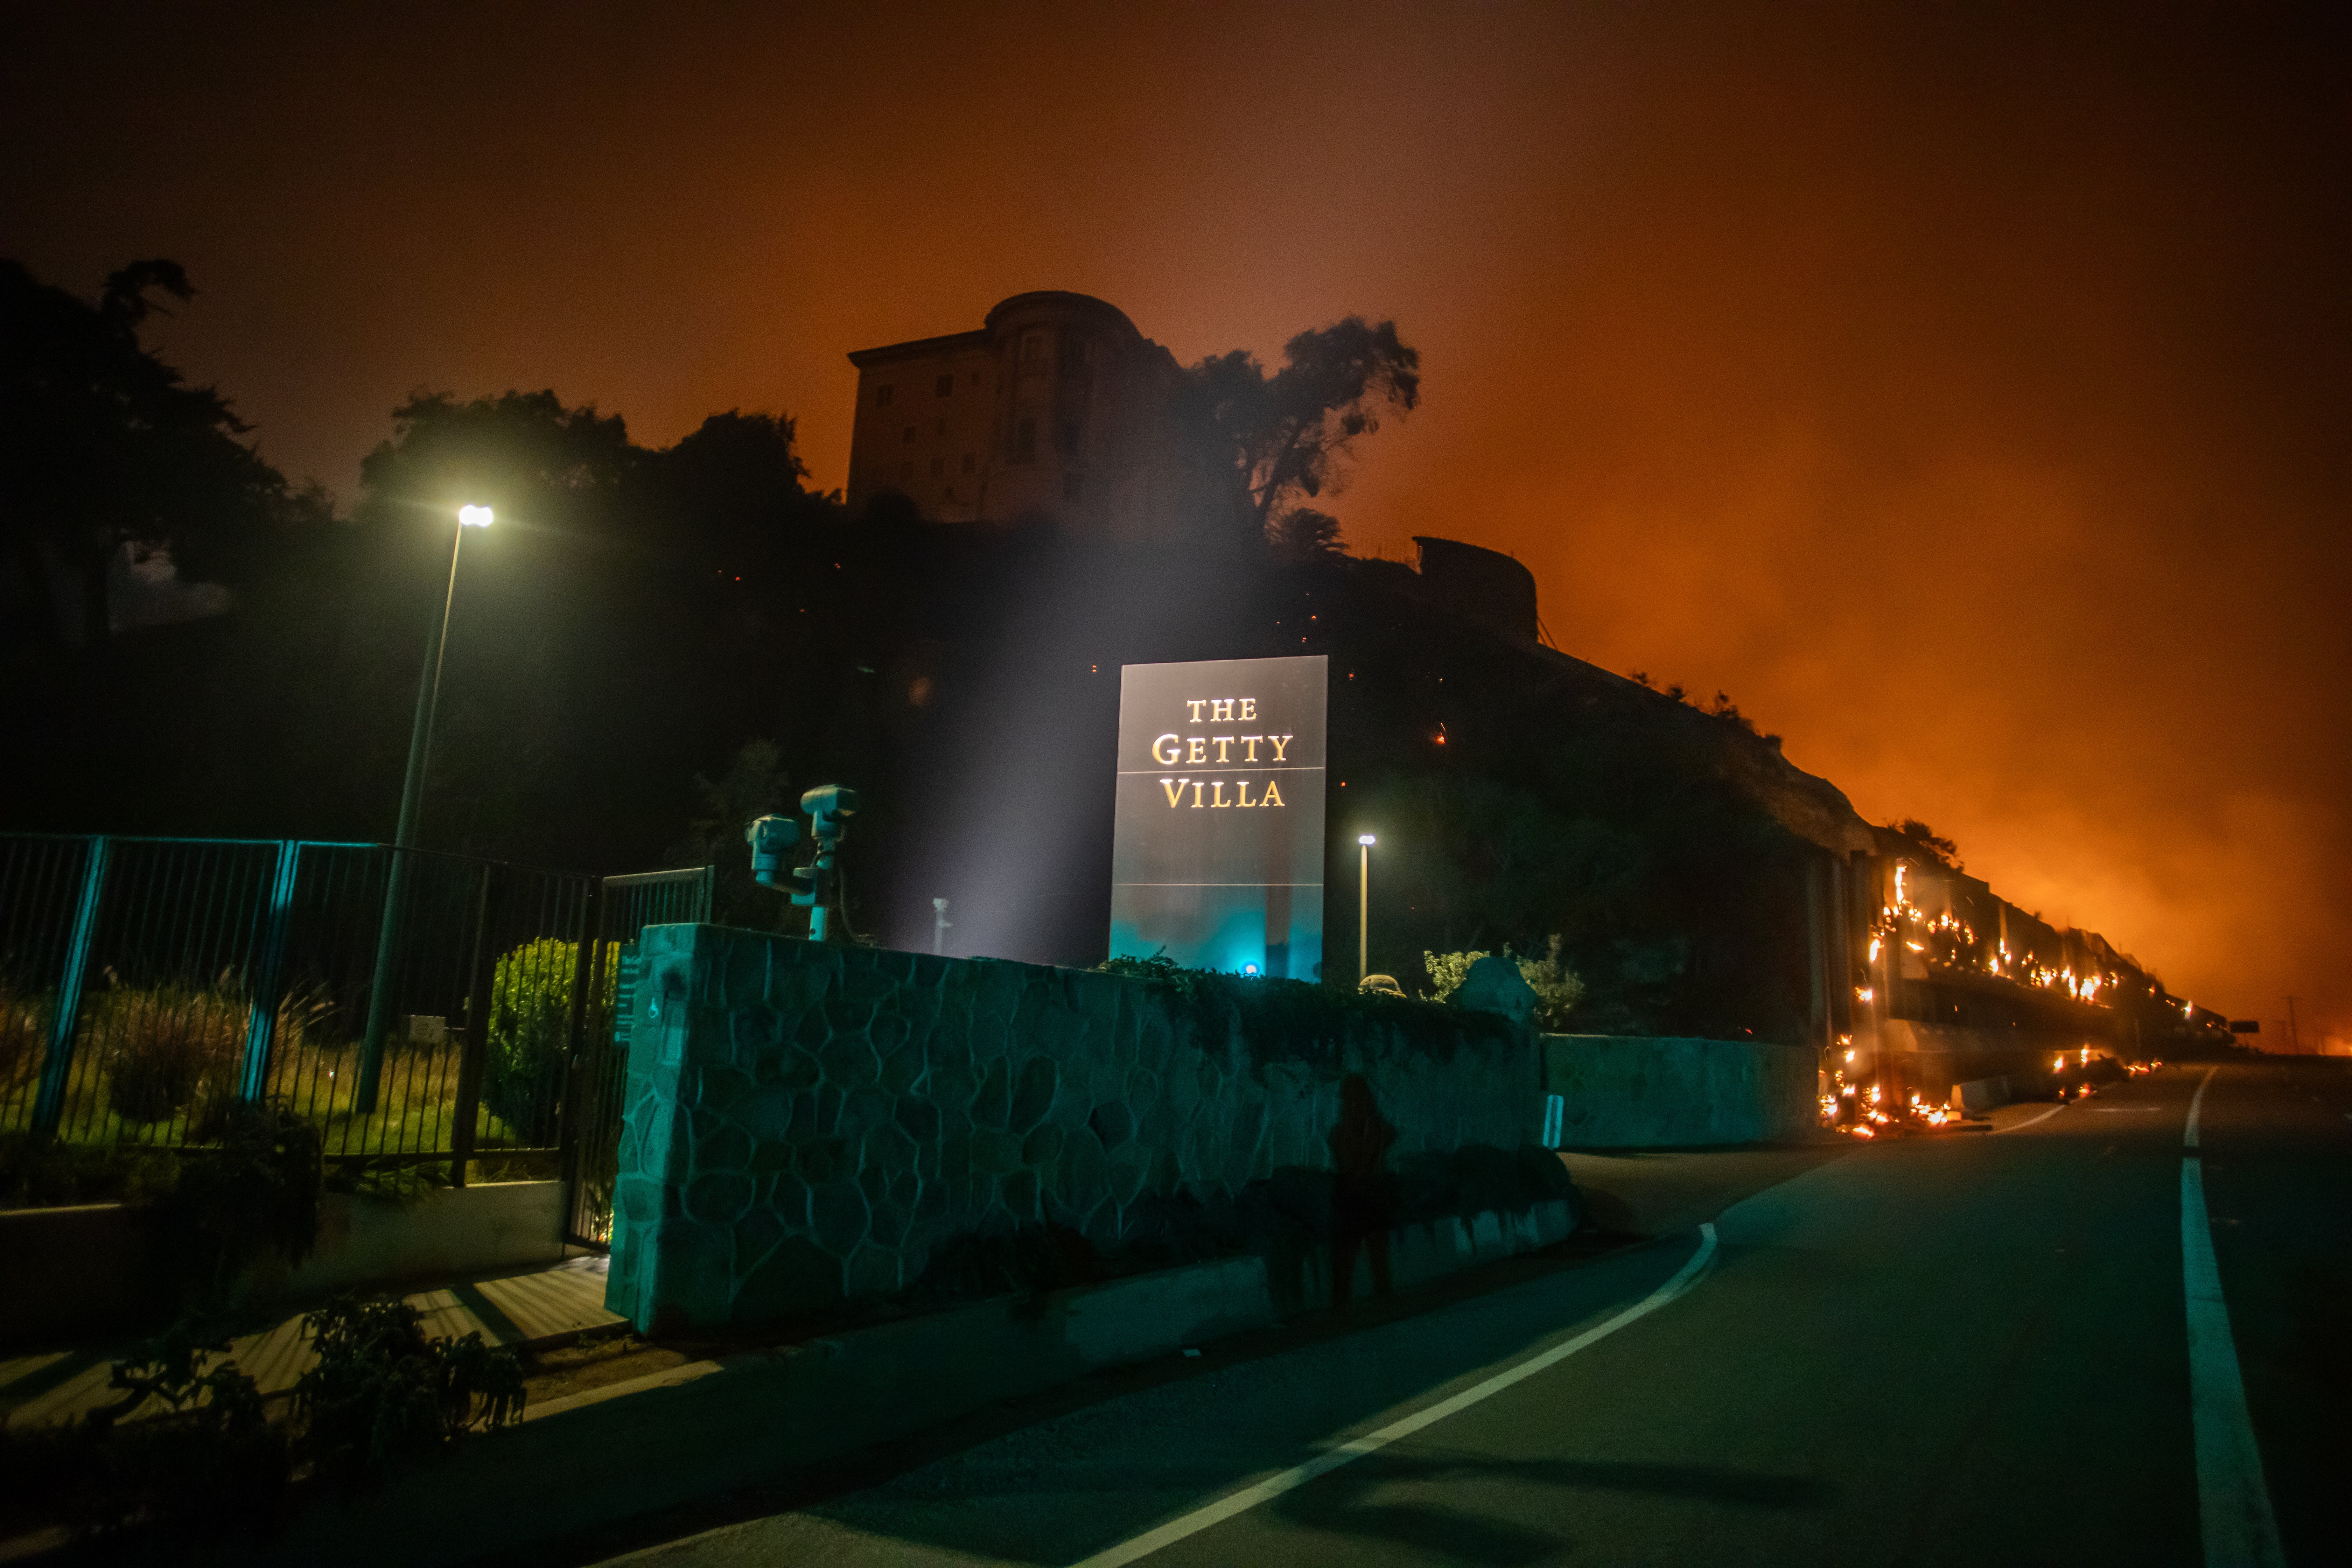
x=523 y=1308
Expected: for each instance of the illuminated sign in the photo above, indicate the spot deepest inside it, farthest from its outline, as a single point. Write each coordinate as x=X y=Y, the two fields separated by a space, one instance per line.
x=1218 y=857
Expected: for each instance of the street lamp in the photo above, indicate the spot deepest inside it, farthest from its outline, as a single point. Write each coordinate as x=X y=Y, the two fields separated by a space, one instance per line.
x=1364 y=842
x=404 y=837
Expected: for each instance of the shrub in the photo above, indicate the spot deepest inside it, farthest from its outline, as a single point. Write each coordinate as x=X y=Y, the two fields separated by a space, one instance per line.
x=164 y=1049
x=24 y=1031
x=382 y=1392
x=256 y=1193
x=209 y=1464
x=161 y=1045
x=530 y=1030
x=1448 y=971
x=1556 y=987
x=41 y=1170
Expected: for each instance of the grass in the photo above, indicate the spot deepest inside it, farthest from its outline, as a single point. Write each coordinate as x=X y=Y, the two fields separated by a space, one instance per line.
x=154 y=1065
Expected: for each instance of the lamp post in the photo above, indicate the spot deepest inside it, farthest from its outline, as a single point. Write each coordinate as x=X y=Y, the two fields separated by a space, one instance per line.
x=1364 y=842
x=404 y=836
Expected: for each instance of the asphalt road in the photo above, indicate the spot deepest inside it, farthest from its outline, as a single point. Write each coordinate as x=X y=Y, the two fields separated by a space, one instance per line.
x=1968 y=1349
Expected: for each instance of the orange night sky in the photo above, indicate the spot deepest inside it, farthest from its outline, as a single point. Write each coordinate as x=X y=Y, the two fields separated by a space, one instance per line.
x=1967 y=392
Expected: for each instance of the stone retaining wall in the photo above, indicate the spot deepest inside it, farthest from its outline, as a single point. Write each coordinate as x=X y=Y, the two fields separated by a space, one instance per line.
x=1635 y=1092
x=805 y=1123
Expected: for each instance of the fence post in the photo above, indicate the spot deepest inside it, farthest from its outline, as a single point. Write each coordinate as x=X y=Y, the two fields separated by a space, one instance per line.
x=477 y=1038
x=586 y=966
x=49 y=1104
x=270 y=978
x=381 y=982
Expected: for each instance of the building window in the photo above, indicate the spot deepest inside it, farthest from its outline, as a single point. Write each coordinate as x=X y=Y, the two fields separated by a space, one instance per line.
x=975 y=378
x=939 y=467
x=909 y=436
x=882 y=395
x=906 y=472
x=971 y=461
x=946 y=383
x=1024 y=440
x=1074 y=352
x=948 y=494
x=939 y=426
x=1073 y=487
x=1065 y=436
x=1033 y=348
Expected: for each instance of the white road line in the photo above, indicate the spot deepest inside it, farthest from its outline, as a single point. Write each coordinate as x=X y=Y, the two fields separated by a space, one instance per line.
x=1248 y=1498
x=2030 y=1121
x=2196 y=1107
x=2233 y=1503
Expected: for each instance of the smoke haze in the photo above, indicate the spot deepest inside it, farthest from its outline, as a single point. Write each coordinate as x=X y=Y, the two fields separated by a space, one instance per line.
x=1965 y=391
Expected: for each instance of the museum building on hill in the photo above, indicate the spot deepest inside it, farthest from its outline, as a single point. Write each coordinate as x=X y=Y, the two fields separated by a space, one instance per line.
x=1055 y=410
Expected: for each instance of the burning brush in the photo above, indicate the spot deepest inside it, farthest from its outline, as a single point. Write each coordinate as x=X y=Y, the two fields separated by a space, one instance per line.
x=1868 y=1111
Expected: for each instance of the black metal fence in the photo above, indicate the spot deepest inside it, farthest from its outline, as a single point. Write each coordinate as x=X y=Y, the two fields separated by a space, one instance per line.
x=624 y=907
x=421 y=1007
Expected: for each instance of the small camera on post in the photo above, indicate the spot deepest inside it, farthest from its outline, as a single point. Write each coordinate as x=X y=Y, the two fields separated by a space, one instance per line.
x=772 y=839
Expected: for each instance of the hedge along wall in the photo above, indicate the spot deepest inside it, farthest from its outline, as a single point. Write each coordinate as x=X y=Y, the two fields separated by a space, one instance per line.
x=805 y=1123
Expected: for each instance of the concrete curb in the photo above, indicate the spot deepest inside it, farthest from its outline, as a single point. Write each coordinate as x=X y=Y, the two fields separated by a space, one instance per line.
x=607 y=1454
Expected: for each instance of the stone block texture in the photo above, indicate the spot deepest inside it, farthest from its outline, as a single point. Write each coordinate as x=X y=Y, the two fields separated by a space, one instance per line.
x=805 y=1122
x=1634 y=1091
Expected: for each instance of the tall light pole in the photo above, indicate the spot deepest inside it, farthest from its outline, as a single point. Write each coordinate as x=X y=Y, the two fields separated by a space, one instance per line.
x=404 y=836
x=1364 y=842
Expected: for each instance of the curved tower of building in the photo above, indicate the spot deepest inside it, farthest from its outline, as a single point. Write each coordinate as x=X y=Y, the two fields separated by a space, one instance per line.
x=1055 y=410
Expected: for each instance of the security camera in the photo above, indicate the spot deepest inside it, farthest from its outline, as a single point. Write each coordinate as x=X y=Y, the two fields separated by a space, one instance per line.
x=828 y=803
x=772 y=839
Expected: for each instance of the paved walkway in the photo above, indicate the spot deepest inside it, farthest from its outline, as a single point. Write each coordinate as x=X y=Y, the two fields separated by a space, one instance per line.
x=513 y=1309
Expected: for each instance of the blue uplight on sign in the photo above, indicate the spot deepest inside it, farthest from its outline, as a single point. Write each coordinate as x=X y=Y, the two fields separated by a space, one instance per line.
x=1217 y=861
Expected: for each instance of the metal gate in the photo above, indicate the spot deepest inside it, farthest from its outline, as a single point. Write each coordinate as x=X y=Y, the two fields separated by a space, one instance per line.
x=625 y=906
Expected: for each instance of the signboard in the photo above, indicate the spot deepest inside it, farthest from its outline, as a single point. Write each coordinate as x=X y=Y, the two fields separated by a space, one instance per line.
x=1217 y=861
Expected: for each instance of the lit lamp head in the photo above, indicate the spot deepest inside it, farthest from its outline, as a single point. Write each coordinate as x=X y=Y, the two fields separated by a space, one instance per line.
x=473 y=517
x=1366 y=839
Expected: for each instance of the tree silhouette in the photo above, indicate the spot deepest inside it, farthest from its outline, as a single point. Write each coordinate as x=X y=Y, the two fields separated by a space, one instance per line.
x=1281 y=436
x=523 y=454
x=104 y=448
x=730 y=492
x=1304 y=535
x=1940 y=850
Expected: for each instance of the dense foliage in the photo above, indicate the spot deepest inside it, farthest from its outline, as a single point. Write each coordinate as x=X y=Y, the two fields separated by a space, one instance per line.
x=207 y=1464
x=255 y=1191
x=530 y=1030
x=1557 y=988
x=205 y=1460
x=382 y=1392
